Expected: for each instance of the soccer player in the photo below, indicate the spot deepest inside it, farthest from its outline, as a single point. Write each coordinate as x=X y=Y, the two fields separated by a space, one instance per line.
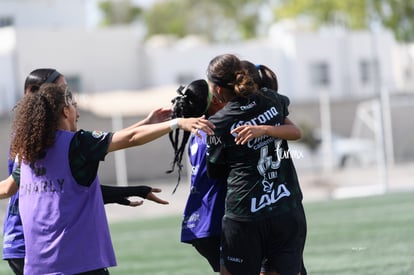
x=13 y=238
x=64 y=222
x=263 y=215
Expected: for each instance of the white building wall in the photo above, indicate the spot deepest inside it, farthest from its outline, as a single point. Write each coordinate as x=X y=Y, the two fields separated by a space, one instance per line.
x=116 y=58
x=403 y=67
x=7 y=70
x=170 y=62
x=291 y=61
x=7 y=88
x=366 y=46
x=45 y=13
x=103 y=59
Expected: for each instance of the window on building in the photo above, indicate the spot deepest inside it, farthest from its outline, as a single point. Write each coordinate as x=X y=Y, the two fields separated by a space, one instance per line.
x=6 y=21
x=408 y=74
x=367 y=70
x=320 y=74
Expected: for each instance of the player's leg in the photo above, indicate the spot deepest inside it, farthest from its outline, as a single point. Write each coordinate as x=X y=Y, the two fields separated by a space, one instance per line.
x=209 y=248
x=266 y=270
x=241 y=248
x=286 y=239
x=16 y=265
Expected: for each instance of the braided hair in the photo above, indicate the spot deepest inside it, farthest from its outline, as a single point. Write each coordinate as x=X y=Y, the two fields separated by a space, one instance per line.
x=193 y=100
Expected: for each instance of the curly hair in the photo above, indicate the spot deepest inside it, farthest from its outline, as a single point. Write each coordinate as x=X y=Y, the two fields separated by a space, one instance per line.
x=36 y=122
x=226 y=71
x=193 y=100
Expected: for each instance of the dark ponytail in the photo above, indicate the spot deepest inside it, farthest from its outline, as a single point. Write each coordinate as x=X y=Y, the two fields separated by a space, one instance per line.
x=38 y=77
x=192 y=101
x=226 y=71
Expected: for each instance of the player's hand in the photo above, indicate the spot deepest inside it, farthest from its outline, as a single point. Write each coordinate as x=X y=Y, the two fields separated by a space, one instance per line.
x=159 y=115
x=135 y=203
x=194 y=125
x=245 y=133
x=125 y=201
x=152 y=197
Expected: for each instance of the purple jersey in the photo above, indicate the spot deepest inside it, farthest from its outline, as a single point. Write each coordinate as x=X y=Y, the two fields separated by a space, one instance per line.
x=205 y=205
x=13 y=238
x=64 y=223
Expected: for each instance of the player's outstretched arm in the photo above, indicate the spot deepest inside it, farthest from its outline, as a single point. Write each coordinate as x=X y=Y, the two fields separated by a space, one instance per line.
x=135 y=136
x=155 y=116
x=8 y=187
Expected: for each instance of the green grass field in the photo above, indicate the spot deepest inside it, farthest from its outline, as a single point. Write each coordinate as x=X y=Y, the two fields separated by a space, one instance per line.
x=373 y=235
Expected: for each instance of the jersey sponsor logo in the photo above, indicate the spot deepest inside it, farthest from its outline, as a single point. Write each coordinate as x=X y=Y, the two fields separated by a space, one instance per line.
x=41 y=187
x=270 y=197
x=234 y=259
x=98 y=134
x=258 y=120
x=259 y=142
x=248 y=106
x=191 y=221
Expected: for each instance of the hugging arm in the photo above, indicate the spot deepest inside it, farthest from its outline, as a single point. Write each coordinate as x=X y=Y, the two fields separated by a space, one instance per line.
x=287 y=131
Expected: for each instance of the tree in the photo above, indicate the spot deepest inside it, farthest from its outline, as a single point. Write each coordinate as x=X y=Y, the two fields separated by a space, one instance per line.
x=119 y=12
x=215 y=19
x=353 y=14
x=397 y=15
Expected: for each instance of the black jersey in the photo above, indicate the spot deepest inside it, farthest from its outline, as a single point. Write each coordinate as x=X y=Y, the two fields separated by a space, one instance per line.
x=261 y=179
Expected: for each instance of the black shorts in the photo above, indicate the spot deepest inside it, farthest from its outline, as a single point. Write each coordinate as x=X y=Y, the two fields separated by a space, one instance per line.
x=280 y=240
x=209 y=248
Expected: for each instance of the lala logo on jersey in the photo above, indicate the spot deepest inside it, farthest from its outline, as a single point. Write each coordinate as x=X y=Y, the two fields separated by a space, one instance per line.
x=270 y=197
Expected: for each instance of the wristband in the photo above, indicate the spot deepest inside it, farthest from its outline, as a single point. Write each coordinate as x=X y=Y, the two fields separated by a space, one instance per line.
x=174 y=124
